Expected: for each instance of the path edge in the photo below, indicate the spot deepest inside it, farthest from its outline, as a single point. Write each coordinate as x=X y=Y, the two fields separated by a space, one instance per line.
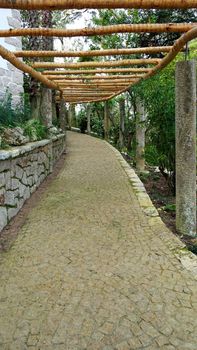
x=187 y=258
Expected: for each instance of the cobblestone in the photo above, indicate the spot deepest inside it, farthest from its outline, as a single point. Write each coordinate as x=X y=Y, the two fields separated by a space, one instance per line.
x=90 y=271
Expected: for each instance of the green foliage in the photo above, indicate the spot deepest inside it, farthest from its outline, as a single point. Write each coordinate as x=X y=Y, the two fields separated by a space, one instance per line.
x=82 y=120
x=144 y=176
x=12 y=116
x=158 y=95
x=170 y=207
x=35 y=130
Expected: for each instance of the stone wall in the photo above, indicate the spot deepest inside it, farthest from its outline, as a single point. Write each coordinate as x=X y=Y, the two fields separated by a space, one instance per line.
x=22 y=169
x=11 y=78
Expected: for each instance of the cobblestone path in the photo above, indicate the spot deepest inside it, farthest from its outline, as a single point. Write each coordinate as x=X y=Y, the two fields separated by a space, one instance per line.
x=88 y=272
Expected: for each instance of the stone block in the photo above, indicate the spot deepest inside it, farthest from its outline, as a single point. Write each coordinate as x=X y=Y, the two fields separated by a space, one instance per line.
x=41 y=169
x=18 y=172
x=3 y=217
x=34 y=187
x=15 y=89
x=5 y=165
x=42 y=177
x=11 y=68
x=30 y=180
x=21 y=189
x=8 y=180
x=16 y=14
x=11 y=198
x=14 y=184
x=23 y=162
x=2 y=196
x=24 y=179
x=18 y=80
x=5 y=81
x=16 y=42
x=26 y=193
x=28 y=170
x=2 y=180
x=13 y=22
x=12 y=212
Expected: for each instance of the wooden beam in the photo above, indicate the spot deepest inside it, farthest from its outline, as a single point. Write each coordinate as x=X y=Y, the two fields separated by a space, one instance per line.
x=96 y=4
x=16 y=62
x=92 y=77
x=143 y=61
x=111 y=81
x=102 y=30
x=93 y=53
x=177 y=47
x=97 y=71
x=93 y=84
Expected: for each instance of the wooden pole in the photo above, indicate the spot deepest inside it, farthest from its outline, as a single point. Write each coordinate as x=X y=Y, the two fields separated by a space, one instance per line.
x=144 y=61
x=102 y=30
x=91 y=77
x=16 y=62
x=96 y=4
x=97 y=71
x=92 y=53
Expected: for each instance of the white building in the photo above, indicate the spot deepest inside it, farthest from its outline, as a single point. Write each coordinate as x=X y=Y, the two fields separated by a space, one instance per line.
x=10 y=77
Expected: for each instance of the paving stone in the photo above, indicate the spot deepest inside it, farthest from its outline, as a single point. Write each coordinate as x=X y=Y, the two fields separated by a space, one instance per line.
x=90 y=270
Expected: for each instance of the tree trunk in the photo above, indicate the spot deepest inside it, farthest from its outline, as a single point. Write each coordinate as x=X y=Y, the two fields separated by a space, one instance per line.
x=88 y=111
x=106 y=120
x=71 y=115
x=49 y=114
x=46 y=107
x=35 y=106
x=140 y=136
x=122 y=122
x=62 y=115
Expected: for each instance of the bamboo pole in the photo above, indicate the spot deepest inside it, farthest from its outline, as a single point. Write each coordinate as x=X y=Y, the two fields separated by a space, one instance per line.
x=92 y=53
x=91 y=87
x=177 y=47
x=94 y=93
x=94 y=81
x=95 y=71
x=10 y=57
x=93 y=84
x=96 y=4
x=142 y=61
x=97 y=90
x=102 y=30
x=92 y=77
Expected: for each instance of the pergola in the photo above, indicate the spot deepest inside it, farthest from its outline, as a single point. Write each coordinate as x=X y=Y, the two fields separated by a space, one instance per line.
x=91 y=81
x=97 y=81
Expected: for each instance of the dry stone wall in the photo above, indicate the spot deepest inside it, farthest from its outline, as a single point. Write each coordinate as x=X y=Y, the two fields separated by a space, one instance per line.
x=22 y=169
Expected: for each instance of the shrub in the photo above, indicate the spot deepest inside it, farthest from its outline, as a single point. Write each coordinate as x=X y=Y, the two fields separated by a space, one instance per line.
x=35 y=130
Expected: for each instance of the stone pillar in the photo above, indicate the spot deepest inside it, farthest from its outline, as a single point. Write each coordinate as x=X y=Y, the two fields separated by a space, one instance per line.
x=122 y=122
x=88 y=111
x=71 y=116
x=46 y=111
x=186 y=147
x=106 y=120
x=62 y=115
x=140 y=136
